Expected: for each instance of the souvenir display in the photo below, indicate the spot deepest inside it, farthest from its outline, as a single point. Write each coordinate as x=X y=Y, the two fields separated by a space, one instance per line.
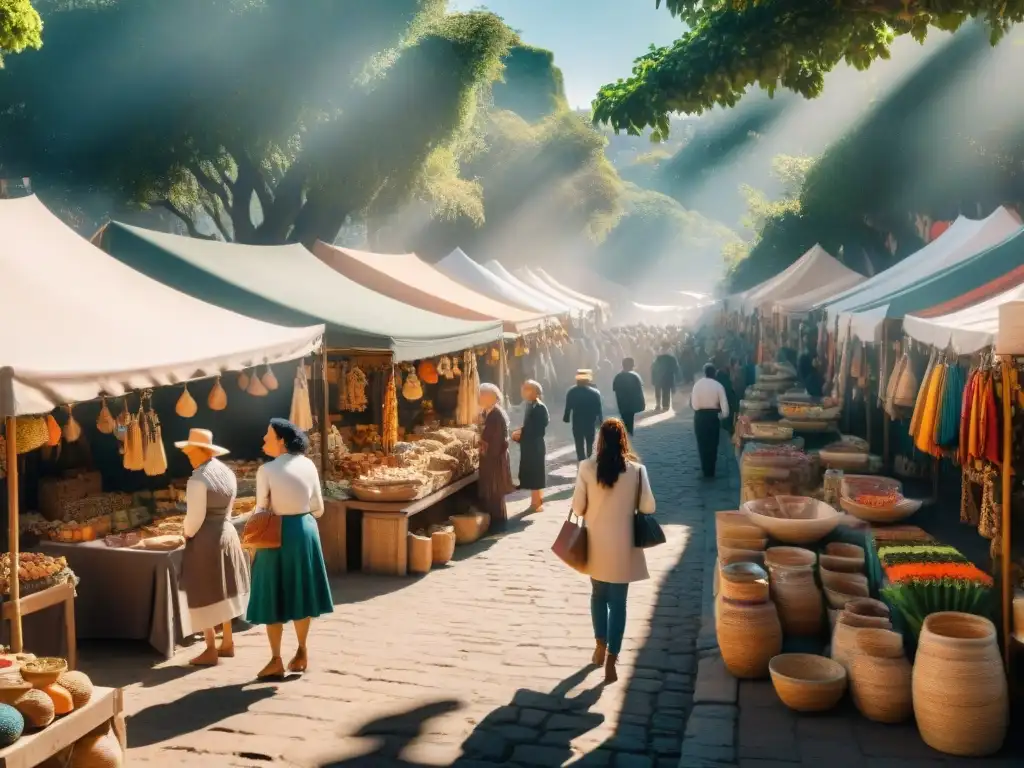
x=352 y=389
x=217 y=400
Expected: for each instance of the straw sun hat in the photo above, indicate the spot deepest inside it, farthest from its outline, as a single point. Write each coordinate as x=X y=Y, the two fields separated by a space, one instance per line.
x=584 y=374
x=201 y=438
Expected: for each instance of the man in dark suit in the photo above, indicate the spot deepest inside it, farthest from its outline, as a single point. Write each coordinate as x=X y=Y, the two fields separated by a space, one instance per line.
x=629 y=393
x=583 y=410
x=664 y=374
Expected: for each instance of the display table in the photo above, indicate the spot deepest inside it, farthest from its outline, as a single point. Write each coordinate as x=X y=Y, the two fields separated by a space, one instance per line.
x=60 y=595
x=386 y=526
x=334 y=535
x=31 y=750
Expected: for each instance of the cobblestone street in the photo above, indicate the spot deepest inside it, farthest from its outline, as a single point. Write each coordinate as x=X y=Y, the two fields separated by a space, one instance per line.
x=480 y=663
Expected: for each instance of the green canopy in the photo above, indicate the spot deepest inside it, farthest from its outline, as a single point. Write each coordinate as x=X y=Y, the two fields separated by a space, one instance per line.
x=287 y=285
x=959 y=285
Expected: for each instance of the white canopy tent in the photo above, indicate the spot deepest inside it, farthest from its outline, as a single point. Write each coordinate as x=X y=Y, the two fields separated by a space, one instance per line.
x=811 y=272
x=967 y=331
x=462 y=269
x=567 y=291
x=596 y=285
x=528 y=276
x=964 y=238
x=115 y=329
x=550 y=303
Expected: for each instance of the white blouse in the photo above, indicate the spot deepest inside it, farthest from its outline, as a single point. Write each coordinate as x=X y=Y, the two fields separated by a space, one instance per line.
x=289 y=485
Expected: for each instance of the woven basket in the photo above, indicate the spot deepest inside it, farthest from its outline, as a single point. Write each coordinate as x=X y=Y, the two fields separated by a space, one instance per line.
x=748 y=545
x=747 y=582
x=469 y=527
x=31 y=433
x=961 y=700
x=789 y=557
x=798 y=599
x=748 y=636
x=732 y=530
x=736 y=555
x=881 y=682
x=443 y=543
x=807 y=683
x=894 y=514
x=420 y=553
x=853 y=584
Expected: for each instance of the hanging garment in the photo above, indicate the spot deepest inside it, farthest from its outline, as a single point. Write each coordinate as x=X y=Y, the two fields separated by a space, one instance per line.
x=993 y=439
x=952 y=405
x=939 y=402
x=974 y=420
x=925 y=411
x=921 y=400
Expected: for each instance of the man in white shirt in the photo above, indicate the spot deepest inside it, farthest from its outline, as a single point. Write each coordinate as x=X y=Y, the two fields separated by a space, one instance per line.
x=710 y=405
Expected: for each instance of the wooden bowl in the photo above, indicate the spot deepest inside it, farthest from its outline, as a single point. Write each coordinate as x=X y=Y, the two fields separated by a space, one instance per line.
x=894 y=514
x=43 y=671
x=807 y=683
x=796 y=520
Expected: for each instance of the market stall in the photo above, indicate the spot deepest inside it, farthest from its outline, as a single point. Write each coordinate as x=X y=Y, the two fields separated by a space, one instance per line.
x=567 y=291
x=533 y=281
x=462 y=269
x=390 y=372
x=536 y=297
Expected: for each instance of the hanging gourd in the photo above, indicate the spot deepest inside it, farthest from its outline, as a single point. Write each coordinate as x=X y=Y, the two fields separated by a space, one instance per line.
x=243 y=381
x=412 y=389
x=53 y=429
x=186 y=407
x=269 y=379
x=217 y=400
x=256 y=388
x=427 y=372
x=301 y=414
x=105 y=422
x=72 y=429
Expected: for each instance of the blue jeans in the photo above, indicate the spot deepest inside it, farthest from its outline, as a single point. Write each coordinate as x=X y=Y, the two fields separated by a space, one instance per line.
x=608 y=611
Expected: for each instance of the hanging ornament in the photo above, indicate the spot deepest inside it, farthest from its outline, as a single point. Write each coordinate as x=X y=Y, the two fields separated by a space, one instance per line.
x=53 y=429
x=256 y=388
x=243 y=381
x=269 y=379
x=217 y=400
x=186 y=406
x=72 y=429
x=105 y=422
x=412 y=389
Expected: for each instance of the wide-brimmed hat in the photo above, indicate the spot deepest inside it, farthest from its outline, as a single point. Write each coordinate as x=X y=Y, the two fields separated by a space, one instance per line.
x=202 y=438
x=584 y=374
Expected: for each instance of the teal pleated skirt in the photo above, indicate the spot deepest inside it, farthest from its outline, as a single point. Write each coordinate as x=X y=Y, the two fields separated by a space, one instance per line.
x=290 y=583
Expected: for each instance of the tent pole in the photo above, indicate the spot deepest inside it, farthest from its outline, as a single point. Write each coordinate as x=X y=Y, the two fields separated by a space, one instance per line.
x=325 y=412
x=17 y=645
x=501 y=374
x=885 y=413
x=1006 y=558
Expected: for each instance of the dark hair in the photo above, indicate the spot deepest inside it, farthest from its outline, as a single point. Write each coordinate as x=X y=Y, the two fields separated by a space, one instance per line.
x=613 y=452
x=295 y=440
x=628 y=363
x=709 y=371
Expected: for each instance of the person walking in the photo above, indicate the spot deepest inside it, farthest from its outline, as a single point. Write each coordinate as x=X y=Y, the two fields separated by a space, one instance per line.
x=664 y=373
x=289 y=583
x=532 y=450
x=214 y=569
x=495 y=481
x=710 y=404
x=584 y=411
x=723 y=377
x=608 y=488
x=629 y=394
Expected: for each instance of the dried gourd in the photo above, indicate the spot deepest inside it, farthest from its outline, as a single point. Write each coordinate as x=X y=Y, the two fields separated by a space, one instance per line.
x=72 y=429
x=53 y=430
x=186 y=406
x=269 y=379
x=105 y=422
x=217 y=400
x=30 y=433
x=256 y=388
x=134 y=451
x=412 y=389
x=243 y=381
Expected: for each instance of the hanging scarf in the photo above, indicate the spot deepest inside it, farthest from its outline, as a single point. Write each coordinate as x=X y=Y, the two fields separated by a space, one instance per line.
x=922 y=396
x=974 y=426
x=993 y=445
x=952 y=404
x=966 y=410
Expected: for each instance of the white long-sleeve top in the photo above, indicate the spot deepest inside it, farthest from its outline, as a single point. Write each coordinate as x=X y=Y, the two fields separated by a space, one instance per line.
x=289 y=485
x=709 y=395
x=214 y=479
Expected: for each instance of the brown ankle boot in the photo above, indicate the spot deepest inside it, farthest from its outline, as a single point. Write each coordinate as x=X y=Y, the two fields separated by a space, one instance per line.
x=610 y=675
x=599 y=652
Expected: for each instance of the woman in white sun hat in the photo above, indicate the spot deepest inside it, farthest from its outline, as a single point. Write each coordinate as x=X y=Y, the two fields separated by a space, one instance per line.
x=215 y=570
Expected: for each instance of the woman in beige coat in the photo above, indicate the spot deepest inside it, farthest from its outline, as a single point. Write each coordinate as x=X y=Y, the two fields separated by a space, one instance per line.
x=606 y=495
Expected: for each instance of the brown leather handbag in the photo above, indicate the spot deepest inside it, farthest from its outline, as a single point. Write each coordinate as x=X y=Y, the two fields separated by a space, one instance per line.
x=262 y=531
x=571 y=544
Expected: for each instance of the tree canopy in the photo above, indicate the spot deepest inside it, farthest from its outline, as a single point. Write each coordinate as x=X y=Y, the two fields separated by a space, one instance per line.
x=732 y=45
x=20 y=27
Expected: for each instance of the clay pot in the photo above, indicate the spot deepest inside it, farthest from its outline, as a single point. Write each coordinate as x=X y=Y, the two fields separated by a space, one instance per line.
x=846 y=631
x=865 y=612
x=798 y=599
x=843 y=558
x=846 y=583
x=747 y=582
x=880 y=676
x=961 y=701
x=789 y=557
x=749 y=635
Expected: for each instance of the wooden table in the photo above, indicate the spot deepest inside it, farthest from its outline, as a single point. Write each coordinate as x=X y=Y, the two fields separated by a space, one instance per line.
x=386 y=526
x=29 y=751
x=47 y=598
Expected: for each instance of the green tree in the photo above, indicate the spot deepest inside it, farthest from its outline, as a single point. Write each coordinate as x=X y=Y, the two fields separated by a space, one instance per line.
x=732 y=45
x=269 y=121
x=20 y=27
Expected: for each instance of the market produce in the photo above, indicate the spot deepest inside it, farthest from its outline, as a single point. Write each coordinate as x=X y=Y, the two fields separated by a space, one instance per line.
x=256 y=387
x=12 y=725
x=428 y=372
x=97 y=750
x=243 y=381
x=134 y=450
x=269 y=380
x=217 y=400
x=78 y=685
x=30 y=433
x=61 y=698
x=54 y=431
x=32 y=567
x=36 y=707
x=97 y=504
x=154 y=454
x=186 y=406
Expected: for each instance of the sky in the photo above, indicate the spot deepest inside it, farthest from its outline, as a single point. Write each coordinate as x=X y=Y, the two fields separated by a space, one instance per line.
x=594 y=41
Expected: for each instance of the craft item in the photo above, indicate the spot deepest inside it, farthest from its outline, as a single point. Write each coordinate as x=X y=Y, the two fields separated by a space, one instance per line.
x=807 y=683
x=54 y=430
x=217 y=400
x=105 y=422
x=42 y=672
x=389 y=421
x=880 y=677
x=134 y=450
x=352 y=397
x=12 y=725
x=749 y=635
x=256 y=387
x=269 y=380
x=412 y=390
x=154 y=454
x=442 y=538
x=301 y=414
x=420 y=553
x=31 y=433
x=243 y=380
x=186 y=406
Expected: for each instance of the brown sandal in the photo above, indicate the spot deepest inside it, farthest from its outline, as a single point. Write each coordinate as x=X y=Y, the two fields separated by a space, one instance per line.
x=299 y=662
x=273 y=670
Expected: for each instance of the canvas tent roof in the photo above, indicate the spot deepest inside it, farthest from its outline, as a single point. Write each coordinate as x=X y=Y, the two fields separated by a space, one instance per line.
x=459 y=267
x=564 y=289
x=528 y=276
x=597 y=285
x=814 y=269
x=967 y=330
x=548 y=302
x=959 y=286
x=406 y=278
x=79 y=323
x=964 y=238
x=289 y=285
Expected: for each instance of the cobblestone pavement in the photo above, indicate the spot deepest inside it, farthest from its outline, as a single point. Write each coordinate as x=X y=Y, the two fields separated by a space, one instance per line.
x=478 y=664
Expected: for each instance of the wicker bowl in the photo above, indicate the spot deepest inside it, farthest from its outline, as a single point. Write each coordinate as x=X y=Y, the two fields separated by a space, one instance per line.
x=855 y=584
x=747 y=582
x=838 y=600
x=730 y=555
x=732 y=530
x=838 y=564
x=866 y=612
x=807 y=683
x=42 y=672
x=856 y=484
x=795 y=519
x=752 y=545
x=894 y=514
x=808 y=426
x=789 y=557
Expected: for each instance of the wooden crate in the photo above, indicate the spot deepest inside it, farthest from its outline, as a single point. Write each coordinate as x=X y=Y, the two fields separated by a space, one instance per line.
x=55 y=492
x=333 y=536
x=384 y=543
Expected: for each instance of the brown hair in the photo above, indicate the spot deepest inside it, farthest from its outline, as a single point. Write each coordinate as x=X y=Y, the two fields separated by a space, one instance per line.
x=613 y=451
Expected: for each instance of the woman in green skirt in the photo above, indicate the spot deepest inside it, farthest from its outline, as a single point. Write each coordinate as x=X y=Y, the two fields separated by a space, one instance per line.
x=289 y=583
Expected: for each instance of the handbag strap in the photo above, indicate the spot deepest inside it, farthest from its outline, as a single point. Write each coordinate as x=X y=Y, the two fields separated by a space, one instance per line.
x=639 y=486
